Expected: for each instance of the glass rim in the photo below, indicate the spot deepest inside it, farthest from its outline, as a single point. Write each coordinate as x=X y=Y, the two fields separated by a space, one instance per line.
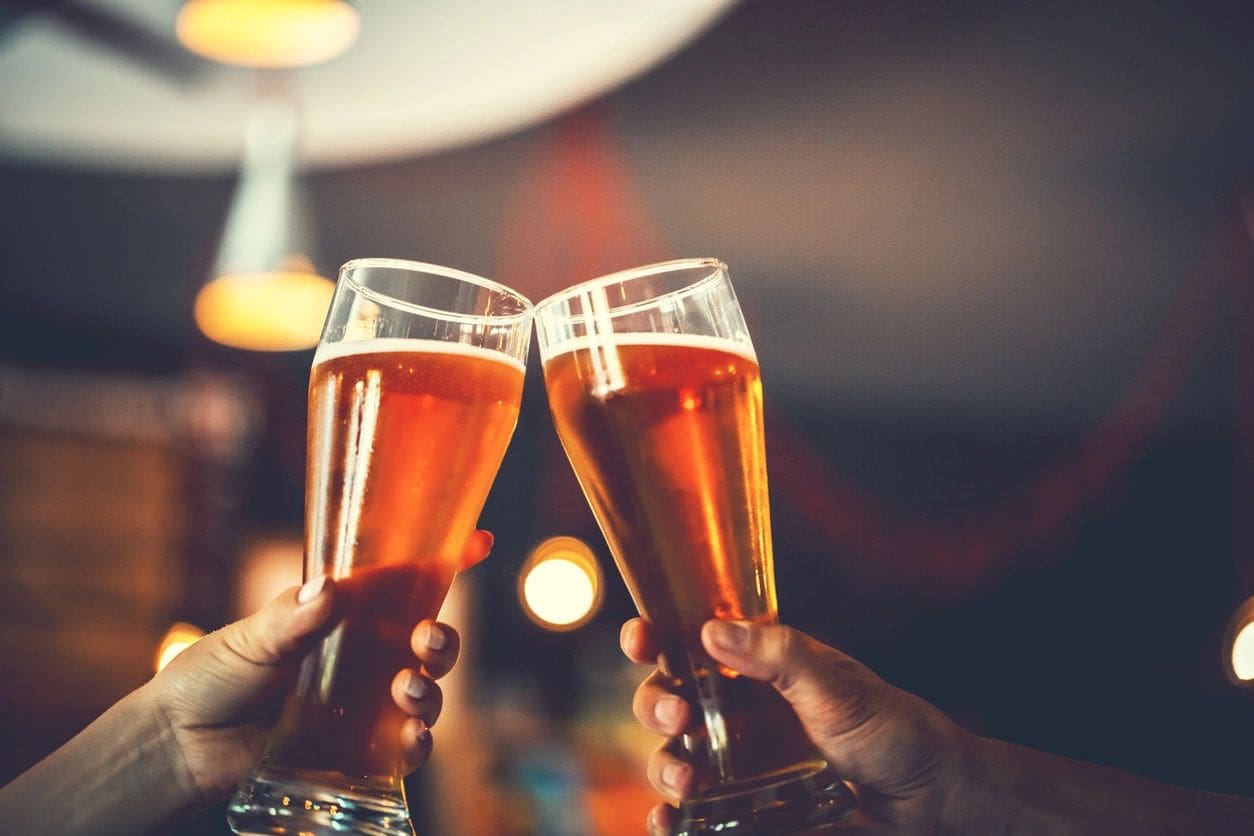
x=717 y=267
x=454 y=273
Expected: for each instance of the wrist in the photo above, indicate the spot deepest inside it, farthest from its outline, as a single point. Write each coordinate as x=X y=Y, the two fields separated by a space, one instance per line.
x=164 y=759
x=119 y=775
x=150 y=772
x=970 y=804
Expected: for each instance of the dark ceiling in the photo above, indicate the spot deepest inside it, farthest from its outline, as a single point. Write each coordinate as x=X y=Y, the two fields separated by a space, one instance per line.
x=976 y=209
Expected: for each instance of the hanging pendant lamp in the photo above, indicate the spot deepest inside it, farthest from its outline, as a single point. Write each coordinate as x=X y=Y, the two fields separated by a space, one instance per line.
x=268 y=34
x=265 y=293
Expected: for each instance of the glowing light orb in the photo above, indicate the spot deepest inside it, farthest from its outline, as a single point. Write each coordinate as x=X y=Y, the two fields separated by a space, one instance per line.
x=269 y=34
x=1243 y=653
x=265 y=311
x=560 y=585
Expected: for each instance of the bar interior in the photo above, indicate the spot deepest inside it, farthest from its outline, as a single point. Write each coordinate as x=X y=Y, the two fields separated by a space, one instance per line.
x=997 y=262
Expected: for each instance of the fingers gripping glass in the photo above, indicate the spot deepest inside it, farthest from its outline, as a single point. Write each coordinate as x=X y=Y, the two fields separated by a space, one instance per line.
x=413 y=398
x=655 y=391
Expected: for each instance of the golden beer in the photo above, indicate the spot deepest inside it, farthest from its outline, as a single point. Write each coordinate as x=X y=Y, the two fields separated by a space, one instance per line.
x=665 y=434
x=670 y=455
x=413 y=397
x=405 y=438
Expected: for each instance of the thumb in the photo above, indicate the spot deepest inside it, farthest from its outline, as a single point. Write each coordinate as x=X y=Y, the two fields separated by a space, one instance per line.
x=831 y=693
x=281 y=629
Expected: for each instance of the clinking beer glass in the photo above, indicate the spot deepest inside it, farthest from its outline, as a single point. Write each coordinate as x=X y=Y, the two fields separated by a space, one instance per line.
x=655 y=391
x=413 y=398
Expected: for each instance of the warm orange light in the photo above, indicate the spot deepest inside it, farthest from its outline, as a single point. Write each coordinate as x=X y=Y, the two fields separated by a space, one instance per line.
x=178 y=638
x=1239 y=645
x=269 y=34
x=1243 y=653
x=279 y=311
x=560 y=584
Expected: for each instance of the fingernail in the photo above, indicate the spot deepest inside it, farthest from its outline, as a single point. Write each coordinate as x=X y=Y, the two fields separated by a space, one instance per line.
x=673 y=775
x=423 y=732
x=667 y=711
x=435 y=637
x=652 y=823
x=729 y=635
x=311 y=590
x=416 y=688
x=627 y=636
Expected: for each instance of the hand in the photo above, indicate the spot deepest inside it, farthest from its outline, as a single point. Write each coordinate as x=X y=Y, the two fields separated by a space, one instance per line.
x=188 y=736
x=221 y=696
x=902 y=756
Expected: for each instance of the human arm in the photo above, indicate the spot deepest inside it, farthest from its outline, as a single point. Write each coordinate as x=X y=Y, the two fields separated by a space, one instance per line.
x=914 y=770
x=187 y=737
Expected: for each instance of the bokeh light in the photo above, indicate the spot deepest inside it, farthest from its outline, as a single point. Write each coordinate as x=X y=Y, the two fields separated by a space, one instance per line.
x=560 y=585
x=1238 y=648
x=281 y=311
x=1243 y=653
x=269 y=34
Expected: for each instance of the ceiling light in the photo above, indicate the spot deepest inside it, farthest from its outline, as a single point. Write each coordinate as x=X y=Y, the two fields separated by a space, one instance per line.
x=265 y=294
x=269 y=34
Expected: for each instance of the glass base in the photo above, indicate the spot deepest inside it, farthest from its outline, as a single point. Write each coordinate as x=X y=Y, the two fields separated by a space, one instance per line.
x=276 y=801
x=786 y=804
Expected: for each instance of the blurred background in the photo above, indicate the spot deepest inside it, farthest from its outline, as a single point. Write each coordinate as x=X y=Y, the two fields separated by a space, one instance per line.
x=996 y=260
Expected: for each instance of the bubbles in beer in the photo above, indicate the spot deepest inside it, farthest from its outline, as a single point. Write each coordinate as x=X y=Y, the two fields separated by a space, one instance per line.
x=394 y=491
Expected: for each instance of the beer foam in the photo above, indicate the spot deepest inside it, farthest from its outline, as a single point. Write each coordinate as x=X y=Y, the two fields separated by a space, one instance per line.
x=405 y=345
x=701 y=341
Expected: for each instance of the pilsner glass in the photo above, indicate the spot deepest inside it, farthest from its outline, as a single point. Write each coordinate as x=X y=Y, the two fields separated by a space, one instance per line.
x=413 y=397
x=656 y=395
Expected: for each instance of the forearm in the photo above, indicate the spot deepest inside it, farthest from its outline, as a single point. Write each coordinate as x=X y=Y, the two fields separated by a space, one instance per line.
x=1012 y=789
x=117 y=776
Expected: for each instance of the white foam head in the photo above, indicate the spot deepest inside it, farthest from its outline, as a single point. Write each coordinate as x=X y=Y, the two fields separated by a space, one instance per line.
x=739 y=348
x=398 y=345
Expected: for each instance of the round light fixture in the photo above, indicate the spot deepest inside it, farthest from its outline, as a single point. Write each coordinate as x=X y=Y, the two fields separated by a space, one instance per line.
x=1239 y=645
x=278 y=311
x=265 y=294
x=560 y=584
x=268 y=34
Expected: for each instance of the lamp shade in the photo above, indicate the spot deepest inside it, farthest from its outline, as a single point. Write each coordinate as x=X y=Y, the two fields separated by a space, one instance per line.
x=265 y=293
x=269 y=34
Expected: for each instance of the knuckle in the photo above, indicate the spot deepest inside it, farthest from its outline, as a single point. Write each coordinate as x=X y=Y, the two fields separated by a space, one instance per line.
x=785 y=642
x=248 y=644
x=781 y=648
x=855 y=708
x=642 y=704
x=657 y=762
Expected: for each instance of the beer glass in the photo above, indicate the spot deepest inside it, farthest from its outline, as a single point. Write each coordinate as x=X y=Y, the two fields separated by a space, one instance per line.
x=413 y=396
x=655 y=392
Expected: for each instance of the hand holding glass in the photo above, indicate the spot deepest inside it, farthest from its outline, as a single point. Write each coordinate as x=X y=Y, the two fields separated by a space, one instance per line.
x=413 y=398
x=655 y=391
